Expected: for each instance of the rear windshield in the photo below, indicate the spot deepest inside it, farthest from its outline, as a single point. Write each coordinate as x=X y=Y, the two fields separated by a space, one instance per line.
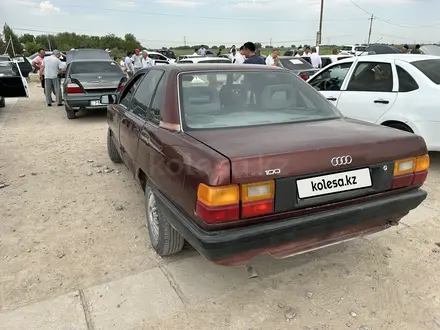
x=226 y=99
x=95 y=67
x=430 y=68
x=295 y=63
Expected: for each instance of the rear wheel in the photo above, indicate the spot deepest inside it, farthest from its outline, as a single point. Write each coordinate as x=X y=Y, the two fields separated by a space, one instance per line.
x=400 y=126
x=69 y=112
x=164 y=238
x=2 y=102
x=113 y=153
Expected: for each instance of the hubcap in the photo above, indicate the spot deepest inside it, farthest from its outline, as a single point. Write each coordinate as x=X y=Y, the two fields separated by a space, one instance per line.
x=152 y=218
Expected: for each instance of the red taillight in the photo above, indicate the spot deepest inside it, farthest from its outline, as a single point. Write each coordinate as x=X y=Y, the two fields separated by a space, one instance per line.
x=73 y=88
x=217 y=214
x=228 y=203
x=254 y=209
x=411 y=171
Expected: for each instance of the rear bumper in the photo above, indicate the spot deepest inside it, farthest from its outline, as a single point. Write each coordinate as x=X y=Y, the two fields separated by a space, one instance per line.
x=296 y=235
x=83 y=100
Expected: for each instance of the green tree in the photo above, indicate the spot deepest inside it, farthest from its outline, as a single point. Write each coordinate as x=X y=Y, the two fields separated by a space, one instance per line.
x=258 y=45
x=26 y=38
x=15 y=44
x=222 y=47
x=131 y=43
x=31 y=48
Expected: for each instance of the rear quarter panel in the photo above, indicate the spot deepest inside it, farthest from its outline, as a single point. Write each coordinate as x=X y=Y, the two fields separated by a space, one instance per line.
x=179 y=163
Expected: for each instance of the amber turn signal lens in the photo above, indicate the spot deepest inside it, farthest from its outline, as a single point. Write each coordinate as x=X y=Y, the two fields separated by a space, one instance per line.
x=422 y=163
x=257 y=191
x=218 y=196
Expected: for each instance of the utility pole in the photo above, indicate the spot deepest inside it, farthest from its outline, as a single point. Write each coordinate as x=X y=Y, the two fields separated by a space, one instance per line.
x=184 y=41
x=319 y=33
x=270 y=42
x=371 y=27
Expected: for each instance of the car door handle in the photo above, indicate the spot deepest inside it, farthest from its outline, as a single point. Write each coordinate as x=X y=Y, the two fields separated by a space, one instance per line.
x=381 y=101
x=332 y=98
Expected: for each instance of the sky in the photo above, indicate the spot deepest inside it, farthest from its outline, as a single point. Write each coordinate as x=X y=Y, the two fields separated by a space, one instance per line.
x=157 y=23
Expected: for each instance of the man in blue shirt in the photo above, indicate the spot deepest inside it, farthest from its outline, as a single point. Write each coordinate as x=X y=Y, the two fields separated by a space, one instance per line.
x=251 y=57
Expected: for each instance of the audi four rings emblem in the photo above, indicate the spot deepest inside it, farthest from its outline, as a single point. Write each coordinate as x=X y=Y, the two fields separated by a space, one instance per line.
x=343 y=160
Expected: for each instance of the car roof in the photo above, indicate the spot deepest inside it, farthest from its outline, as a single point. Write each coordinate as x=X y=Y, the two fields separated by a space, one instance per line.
x=201 y=59
x=193 y=67
x=87 y=54
x=402 y=57
x=92 y=60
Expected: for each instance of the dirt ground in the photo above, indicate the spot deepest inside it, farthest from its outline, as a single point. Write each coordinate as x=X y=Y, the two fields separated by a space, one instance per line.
x=70 y=219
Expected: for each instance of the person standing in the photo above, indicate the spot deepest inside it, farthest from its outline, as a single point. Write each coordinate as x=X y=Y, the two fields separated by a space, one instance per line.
x=416 y=50
x=137 y=60
x=315 y=59
x=405 y=49
x=300 y=53
x=273 y=59
x=129 y=64
x=202 y=51
x=249 y=50
x=52 y=66
x=37 y=64
x=146 y=61
x=307 y=52
x=239 y=57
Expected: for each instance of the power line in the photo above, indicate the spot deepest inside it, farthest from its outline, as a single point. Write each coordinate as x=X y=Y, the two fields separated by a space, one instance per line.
x=260 y=19
x=394 y=24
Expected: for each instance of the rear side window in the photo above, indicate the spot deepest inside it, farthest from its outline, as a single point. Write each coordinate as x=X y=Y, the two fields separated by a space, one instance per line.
x=430 y=68
x=406 y=81
x=94 y=67
x=372 y=77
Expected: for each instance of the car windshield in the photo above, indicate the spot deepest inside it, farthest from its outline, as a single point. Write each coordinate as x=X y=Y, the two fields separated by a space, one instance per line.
x=346 y=48
x=360 y=49
x=95 y=67
x=295 y=63
x=430 y=68
x=225 y=99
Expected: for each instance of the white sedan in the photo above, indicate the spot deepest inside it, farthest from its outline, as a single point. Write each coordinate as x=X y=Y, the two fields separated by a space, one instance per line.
x=395 y=90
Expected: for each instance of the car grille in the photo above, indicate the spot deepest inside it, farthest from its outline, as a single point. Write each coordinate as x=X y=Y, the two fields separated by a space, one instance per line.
x=101 y=90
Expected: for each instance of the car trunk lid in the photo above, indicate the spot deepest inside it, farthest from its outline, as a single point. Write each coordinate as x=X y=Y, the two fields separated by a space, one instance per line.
x=260 y=153
x=97 y=81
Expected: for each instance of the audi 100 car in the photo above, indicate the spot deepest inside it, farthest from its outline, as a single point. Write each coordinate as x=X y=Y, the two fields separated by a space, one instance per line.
x=243 y=160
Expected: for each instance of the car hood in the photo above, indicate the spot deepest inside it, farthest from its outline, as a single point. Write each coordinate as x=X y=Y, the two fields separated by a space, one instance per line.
x=304 y=148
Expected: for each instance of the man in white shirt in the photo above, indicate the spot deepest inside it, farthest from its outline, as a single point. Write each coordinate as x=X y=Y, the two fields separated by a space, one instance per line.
x=202 y=51
x=195 y=52
x=273 y=58
x=52 y=66
x=307 y=52
x=137 y=60
x=300 y=53
x=239 y=57
x=146 y=61
x=129 y=64
x=315 y=59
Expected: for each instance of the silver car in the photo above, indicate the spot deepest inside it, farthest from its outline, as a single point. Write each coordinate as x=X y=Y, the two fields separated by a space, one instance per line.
x=89 y=75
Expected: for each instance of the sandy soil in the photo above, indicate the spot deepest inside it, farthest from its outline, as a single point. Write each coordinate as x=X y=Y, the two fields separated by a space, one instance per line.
x=69 y=218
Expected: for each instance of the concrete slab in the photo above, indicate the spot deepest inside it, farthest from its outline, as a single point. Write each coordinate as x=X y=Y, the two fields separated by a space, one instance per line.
x=132 y=301
x=62 y=313
x=198 y=279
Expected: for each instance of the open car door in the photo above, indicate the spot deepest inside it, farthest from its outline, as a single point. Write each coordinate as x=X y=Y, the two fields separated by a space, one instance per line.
x=12 y=82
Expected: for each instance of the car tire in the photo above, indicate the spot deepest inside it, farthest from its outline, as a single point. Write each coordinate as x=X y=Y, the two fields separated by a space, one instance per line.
x=113 y=153
x=401 y=126
x=163 y=237
x=70 y=113
x=2 y=102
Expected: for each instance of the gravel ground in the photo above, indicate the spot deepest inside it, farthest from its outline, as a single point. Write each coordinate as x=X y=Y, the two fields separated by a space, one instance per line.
x=70 y=219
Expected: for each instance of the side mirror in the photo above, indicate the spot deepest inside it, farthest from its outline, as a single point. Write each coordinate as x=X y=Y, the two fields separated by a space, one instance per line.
x=109 y=99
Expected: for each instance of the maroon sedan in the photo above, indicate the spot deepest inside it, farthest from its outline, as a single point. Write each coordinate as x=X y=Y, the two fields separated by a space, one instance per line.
x=242 y=160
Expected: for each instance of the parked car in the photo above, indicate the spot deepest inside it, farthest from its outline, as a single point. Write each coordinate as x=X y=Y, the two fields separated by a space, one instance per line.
x=90 y=73
x=12 y=82
x=430 y=50
x=23 y=63
x=329 y=59
x=202 y=59
x=282 y=172
x=395 y=90
x=355 y=50
x=166 y=52
x=160 y=58
x=298 y=65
